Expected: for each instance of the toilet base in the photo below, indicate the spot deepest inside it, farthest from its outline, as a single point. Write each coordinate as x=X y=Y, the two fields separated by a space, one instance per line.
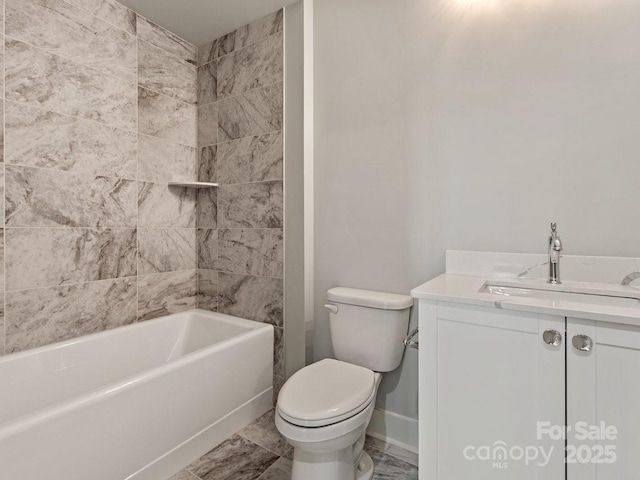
x=337 y=465
x=364 y=469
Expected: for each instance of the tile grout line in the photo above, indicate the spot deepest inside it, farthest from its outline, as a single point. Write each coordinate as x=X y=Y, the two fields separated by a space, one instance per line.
x=102 y=19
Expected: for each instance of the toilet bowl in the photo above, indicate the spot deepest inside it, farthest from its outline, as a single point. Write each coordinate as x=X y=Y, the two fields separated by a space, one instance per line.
x=324 y=409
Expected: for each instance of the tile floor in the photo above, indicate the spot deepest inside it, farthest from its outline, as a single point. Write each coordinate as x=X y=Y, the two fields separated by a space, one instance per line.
x=258 y=452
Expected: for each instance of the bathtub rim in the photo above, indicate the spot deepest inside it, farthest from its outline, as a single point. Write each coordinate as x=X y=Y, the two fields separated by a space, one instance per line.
x=50 y=412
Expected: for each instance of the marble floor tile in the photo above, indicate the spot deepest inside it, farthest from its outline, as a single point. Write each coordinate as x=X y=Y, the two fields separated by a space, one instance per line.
x=36 y=138
x=252 y=113
x=251 y=251
x=234 y=459
x=263 y=432
x=165 y=117
x=183 y=475
x=40 y=257
x=160 y=206
x=47 y=81
x=392 y=450
x=208 y=289
x=162 y=161
x=166 y=250
x=111 y=11
x=251 y=159
x=253 y=205
x=388 y=467
x=255 y=66
x=251 y=33
x=43 y=316
x=69 y=31
x=166 y=293
x=254 y=298
x=281 y=470
x=164 y=39
x=49 y=198
x=164 y=73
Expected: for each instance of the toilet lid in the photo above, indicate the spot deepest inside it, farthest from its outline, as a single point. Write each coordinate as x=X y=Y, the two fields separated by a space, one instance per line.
x=326 y=392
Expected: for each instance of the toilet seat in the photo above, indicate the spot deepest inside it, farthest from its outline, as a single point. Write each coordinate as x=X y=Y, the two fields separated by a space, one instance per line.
x=326 y=392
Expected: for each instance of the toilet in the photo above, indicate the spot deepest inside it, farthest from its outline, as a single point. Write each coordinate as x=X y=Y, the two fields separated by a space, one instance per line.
x=324 y=409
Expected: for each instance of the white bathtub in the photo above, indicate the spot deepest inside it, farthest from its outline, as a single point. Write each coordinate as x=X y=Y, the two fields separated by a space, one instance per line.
x=138 y=402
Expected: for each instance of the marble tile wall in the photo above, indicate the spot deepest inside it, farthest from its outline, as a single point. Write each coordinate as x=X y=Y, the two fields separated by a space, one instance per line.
x=240 y=224
x=99 y=113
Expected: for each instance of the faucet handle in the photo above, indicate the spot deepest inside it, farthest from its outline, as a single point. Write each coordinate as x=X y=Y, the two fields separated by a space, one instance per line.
x=554 y=227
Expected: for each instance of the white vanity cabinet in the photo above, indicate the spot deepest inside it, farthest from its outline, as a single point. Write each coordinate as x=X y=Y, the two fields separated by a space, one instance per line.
x=495 y=391
x=603 y=390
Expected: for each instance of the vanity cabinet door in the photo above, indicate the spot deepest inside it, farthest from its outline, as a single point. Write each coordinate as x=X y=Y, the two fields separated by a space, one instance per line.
x=603 y=392
x=488 y=382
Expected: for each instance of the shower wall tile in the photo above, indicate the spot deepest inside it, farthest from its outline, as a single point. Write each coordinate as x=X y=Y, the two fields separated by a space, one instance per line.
x=44 y=316
x=160 y=206
x=278 y=352
x=258 y=65
x=207 y=208
x=207 y=83
x=48 y=81
x=208 y=249
x=60 y=28
x=253 y=205
x=208 y=52
x=208 y=289
x=251 y=159
x=166 y=250
x=162 y=161
x=40 y=257
x=164 y=73
x=37 y=138
x=255 y=298
x=48 y=198
x=252 y=113
x=207 y=164
x=111 y=11
x=166 y=293
x=82 y=174
x=164 y=39
x=208 y=125
x=251 y=33
x=251 y=251
x=165 y=117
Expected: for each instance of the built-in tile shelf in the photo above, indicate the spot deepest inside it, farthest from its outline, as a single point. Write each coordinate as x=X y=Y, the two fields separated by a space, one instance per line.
x=193 y=184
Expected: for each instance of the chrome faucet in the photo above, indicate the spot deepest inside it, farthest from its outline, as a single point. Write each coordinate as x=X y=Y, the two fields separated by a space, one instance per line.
x=555 y=247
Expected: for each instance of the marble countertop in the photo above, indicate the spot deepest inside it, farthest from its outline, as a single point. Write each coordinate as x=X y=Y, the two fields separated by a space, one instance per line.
x=466 y=290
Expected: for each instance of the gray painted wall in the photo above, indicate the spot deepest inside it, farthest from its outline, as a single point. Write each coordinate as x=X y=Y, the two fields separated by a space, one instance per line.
x=469 y=125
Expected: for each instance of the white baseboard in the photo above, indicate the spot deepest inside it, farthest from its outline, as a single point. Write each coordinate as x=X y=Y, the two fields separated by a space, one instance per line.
x=395 y=429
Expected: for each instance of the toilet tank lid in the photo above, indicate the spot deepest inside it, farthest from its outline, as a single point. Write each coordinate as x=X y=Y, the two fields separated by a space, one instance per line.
x=369 y=298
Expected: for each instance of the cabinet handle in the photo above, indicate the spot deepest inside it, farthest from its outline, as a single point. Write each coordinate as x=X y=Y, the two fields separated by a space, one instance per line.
x=582 y=343
x=552 y=337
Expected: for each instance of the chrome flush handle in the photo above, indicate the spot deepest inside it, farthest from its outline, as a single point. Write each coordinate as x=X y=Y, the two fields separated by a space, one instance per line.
x=582 y=343
x=552 y=337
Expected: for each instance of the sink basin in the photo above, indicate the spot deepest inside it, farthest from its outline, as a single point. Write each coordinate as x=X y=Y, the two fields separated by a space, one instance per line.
x=554 y=295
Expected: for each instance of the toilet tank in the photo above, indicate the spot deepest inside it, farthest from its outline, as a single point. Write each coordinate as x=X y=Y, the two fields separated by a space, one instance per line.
x=367 y=328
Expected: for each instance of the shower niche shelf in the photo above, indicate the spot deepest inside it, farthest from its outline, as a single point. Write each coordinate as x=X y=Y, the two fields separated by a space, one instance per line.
x=193 y=184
